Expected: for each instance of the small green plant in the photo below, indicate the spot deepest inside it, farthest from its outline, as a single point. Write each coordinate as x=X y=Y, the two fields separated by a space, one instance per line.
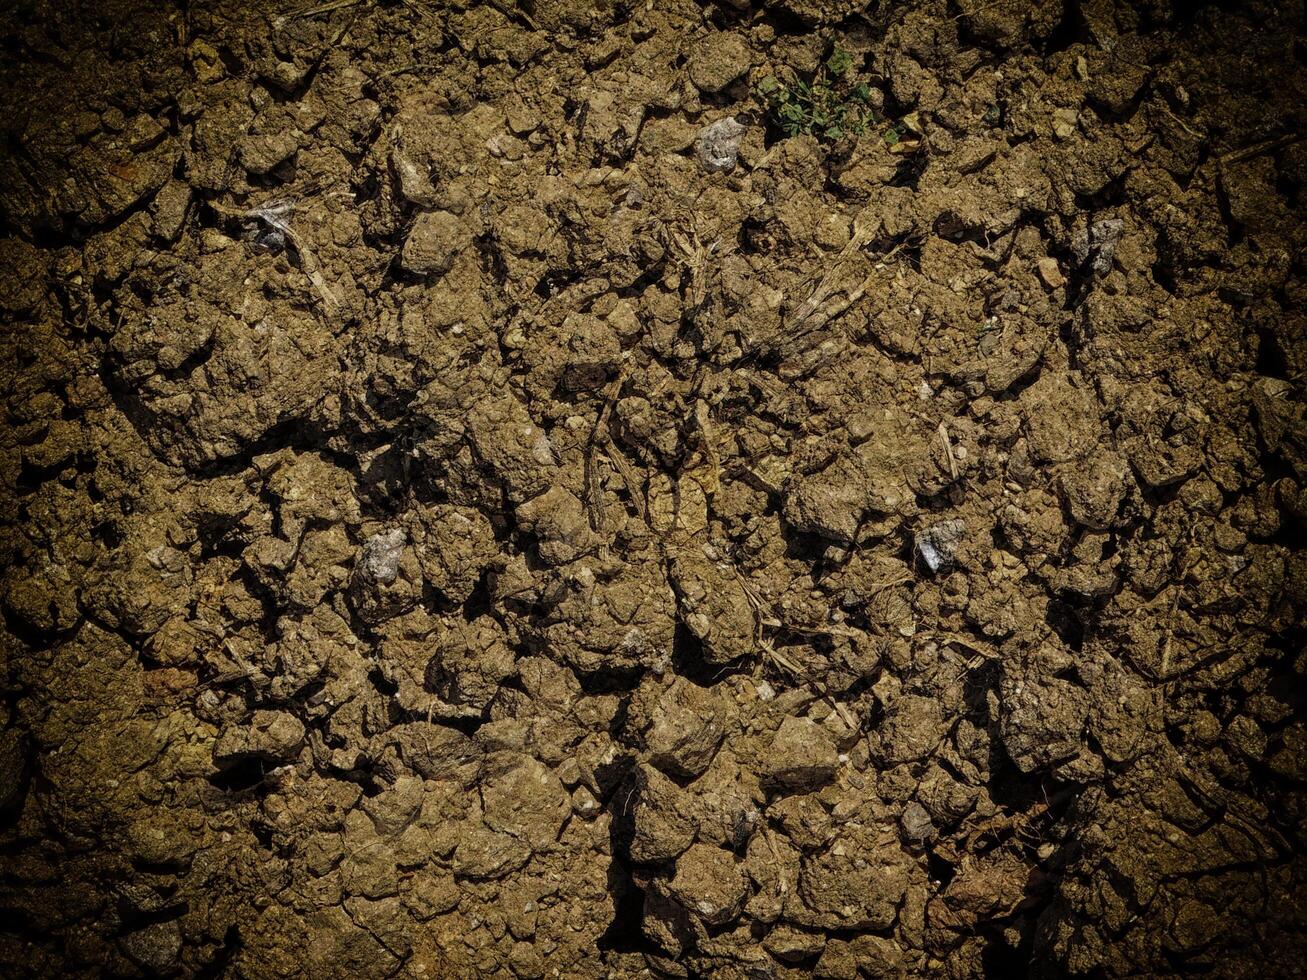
x=827 y=105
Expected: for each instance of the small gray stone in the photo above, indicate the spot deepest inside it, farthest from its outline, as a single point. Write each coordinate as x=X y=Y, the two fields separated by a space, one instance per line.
x=381 y=555
x=414 y=182
x=916 y=822
x=718 y=145
x=1095 y=246
x=938 y=544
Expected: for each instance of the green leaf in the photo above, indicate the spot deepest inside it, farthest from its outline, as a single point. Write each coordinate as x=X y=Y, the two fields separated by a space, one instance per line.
x=839 y=62
x=834 y=132
x=862 y=92
x=768 y=85
x=891 y=136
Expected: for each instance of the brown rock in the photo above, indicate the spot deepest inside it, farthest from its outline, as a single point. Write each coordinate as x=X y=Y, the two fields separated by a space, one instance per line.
x=912 y=729
x=717 y=61
x=791 y=945
x=662 y=823
x=274 y=737
x=1049 y=273
x=853 y=886
x=453 y=545
x=522 y=797
x=801 y=757
x=714 y=607
x=682 y=727
x=487 y=854
x=435 y=240
x=710 y=883
x=559 y=522
x=470 y=664
x=1093 y=491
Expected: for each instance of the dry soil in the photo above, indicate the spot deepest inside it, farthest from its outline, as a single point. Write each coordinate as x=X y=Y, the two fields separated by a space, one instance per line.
x=481 y=501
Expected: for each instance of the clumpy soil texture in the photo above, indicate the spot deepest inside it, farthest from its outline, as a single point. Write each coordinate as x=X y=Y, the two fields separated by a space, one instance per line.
x=482 y=501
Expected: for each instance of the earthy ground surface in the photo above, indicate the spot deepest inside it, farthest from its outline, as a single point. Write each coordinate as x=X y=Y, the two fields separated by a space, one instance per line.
x=468 y=515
